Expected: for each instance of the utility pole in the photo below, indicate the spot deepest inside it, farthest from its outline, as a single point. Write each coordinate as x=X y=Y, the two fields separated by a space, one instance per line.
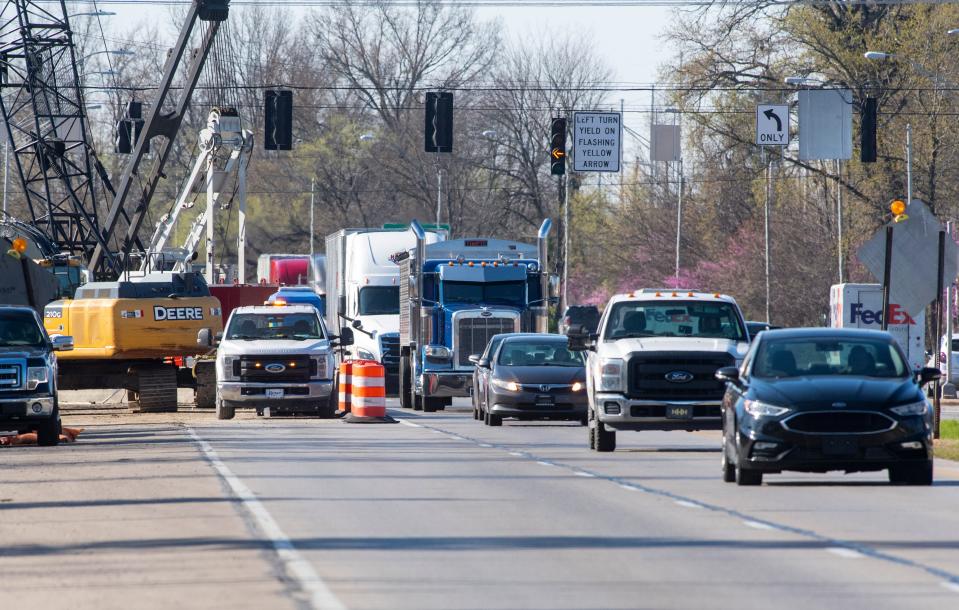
x=210 y=216
x=439 y=195
x=679 y=219
x=908 y=165
x=312 y=270
x=839 y=216
x=949 y=388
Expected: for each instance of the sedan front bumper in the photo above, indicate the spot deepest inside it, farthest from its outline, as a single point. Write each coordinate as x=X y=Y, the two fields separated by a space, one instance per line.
x=771 y=448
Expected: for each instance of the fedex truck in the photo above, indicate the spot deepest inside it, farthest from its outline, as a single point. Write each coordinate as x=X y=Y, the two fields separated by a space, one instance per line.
x=860 y=306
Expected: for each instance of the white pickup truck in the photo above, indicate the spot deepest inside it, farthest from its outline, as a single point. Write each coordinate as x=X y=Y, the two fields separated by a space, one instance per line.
x=651 y=365
x=277 y=357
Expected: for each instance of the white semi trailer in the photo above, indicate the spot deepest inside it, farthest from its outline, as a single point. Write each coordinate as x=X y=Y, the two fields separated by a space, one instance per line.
x=362 y=291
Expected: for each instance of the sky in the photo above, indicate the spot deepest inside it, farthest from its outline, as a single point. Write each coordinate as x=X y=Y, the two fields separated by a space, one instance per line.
x=629 y=39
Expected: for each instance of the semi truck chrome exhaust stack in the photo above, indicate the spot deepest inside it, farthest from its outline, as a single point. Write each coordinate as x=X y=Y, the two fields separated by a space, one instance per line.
x=542 y=322
x=420 y=256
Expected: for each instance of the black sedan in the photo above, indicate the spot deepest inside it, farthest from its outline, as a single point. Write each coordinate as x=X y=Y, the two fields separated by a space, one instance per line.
x=821 y=399
x=532 y=376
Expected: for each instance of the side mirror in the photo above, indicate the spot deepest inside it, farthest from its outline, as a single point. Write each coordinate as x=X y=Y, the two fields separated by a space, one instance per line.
x=474 y=358
x=579 y=339
x=928 y=374
x=205 y=337
x=728 y=374
x=346 y=336
x=341 y=304
x=62 y=343
x=482 y=363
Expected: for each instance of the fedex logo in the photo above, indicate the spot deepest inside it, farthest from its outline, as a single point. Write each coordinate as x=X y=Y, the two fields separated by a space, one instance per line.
x=896 y=315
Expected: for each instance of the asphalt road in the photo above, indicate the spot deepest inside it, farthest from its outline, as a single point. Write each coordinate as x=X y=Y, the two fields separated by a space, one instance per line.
x=442 y=512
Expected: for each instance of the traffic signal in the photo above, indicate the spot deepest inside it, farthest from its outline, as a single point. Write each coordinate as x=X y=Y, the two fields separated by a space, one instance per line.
x=867 y=126
x=278 y=119
x=557 y=147
x=439 y=122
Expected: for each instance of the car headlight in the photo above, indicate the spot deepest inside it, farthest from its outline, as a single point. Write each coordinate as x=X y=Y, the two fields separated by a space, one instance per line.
x=611 y=375
x=37 y=375
x=510 y=386
x=324 y=364
x=914 y=408
x=578 y=386
x=757 y=408
x=439 y=352
x=228 y=366
x=365 y=354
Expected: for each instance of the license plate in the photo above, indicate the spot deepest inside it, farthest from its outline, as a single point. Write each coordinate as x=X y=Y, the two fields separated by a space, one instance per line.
x=840 y=446
x=544 y=401
x=271 y=393
x=679 y=412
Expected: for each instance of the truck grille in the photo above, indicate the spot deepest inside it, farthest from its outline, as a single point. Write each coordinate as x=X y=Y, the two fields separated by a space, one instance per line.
x=648 y=371
x=472 y=335
x=247 y=370
x=839 y=422
x=11 y=376
x=390 y=344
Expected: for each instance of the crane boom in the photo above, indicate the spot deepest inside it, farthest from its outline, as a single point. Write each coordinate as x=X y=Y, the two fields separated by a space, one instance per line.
x=158 y=123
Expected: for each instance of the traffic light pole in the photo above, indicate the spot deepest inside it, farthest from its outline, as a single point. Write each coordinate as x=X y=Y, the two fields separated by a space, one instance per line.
x=564 y=201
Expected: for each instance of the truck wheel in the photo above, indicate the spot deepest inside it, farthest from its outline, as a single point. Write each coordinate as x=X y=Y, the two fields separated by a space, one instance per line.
x=204 y=397
x=417 y=401
x=431 y=404
x=493 y=420
x=405 y=387
x=223 y=409
x=48 y=432
x=326 y=409
x=605 y=440
x=912 y=474
x=156 y=389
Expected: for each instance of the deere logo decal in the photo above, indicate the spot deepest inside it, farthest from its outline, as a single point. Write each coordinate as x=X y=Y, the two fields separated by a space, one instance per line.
x=161 y=313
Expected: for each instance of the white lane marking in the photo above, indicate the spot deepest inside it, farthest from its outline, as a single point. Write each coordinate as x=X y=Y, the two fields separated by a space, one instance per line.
x=406 y=422
x=580 y=473
x=516 y=454
x=758 y=525
x=485 y=446
x=545 y=464
x=952 y=586
x=844 y=552
x=629 y=487
x=437 y=432
x=688 y=504
x=296 y=567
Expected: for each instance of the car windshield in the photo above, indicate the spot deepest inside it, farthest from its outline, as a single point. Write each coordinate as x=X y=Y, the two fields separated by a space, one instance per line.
x=297 y=326
x=538 y=353
x=818 y=356
x=495 y=293
x=674 y=319
x=20 y=329
x=379 y=300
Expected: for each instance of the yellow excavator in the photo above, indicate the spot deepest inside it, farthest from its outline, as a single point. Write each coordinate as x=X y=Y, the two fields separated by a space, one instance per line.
x=128 y=334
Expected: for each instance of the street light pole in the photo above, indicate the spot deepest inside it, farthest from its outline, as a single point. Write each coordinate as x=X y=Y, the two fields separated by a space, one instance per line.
x=908 y=164
x=312 y=271
x=679 y=219
x=839 y=216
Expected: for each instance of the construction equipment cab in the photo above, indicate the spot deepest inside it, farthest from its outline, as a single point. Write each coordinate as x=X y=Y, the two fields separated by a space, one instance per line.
x=28 y=375
x=276 y=358
x=652 y=363
x=127 y=332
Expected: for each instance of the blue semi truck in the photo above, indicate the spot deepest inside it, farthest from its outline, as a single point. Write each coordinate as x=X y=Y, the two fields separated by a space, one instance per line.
x=454 y=296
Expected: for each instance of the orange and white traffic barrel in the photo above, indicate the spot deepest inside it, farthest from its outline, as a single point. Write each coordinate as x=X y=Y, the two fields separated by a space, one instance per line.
x=369 y=389
x=345 y=386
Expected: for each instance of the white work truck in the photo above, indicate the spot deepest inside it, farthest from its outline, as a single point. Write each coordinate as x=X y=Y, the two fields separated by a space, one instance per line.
x=652 y=363
x=362 y=290
x=276 y=359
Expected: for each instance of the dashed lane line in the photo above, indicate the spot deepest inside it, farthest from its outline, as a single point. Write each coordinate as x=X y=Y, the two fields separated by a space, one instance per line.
x=297 y=569
x=850 y=549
